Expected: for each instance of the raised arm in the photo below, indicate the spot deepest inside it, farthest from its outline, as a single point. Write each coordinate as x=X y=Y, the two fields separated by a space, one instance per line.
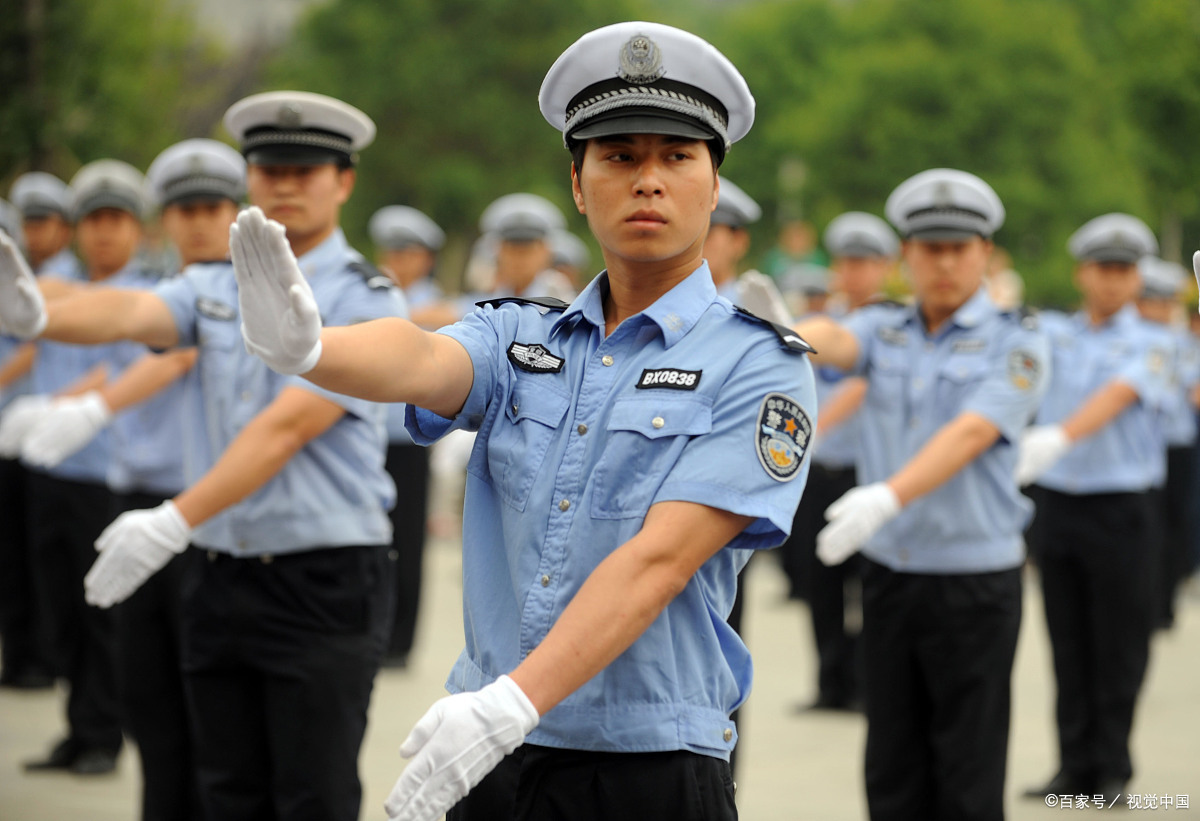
x=1043 y=445
x=843 y=405
x=834 y=344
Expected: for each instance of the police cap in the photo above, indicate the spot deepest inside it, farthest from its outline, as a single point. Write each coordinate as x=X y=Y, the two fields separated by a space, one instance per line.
x=945 y=204
x=735 y=207
x=108 y=184
x=37 y=194
x=398 y=226
x=859 y=235
x=1112 y=238
x=298 y=128
x=196 y=170
x=521 y=218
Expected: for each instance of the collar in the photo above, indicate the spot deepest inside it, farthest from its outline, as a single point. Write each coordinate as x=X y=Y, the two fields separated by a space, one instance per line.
x=1126 y=317
x=969 y=315
x=676 y=312
x=329 y=255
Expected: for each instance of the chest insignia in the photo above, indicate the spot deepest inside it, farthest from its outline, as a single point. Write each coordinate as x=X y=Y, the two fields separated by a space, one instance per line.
x=671 y=378
x=968 y=346
x=892 y=336
x=782 y=436
x=214 y=309
x=534 y=358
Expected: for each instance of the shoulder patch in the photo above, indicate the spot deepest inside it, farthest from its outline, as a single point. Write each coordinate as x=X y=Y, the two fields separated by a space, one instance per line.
x=781 y=436
x=376 y=280
x=1024 y=369
x=541 y=301
x=533 y=357
x=791 y=340
x=215 y=309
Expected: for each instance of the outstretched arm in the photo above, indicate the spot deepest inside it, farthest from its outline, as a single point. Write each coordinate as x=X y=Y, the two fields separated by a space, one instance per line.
x=842 y=406
x=835 y=345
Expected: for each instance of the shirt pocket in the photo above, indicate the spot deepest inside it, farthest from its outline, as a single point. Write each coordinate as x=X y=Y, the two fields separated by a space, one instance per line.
x=958 y=378
x=521 y=437
x=887 y=381
x=645 y=437
x=218 y=342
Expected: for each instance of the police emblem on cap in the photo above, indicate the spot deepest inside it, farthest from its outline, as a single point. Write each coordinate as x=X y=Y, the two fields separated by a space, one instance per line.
x=641 y=60
x=782 y=436
x=534 y=358
x=288 y=115
x=943 y=197
x=195 y=164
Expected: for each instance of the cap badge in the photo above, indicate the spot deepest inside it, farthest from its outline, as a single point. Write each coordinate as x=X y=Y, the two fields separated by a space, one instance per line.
x=942 y=196
x=288 y=115
x=195 y=164
x=641 y=60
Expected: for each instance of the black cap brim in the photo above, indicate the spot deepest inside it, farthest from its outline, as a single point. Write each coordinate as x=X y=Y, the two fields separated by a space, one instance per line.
x=936 y=234
x=626 y=122
x=296 y=155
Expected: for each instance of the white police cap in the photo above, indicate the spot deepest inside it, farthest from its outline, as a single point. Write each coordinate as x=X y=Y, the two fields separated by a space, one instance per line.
x=399 y=226
x=10 y=222
x=861 y=235
x=735 y=207
x=1112 y=238
x=196 y=170
x=38 y=194
x=298 y=128
x=108 y=184
x=568 y=249
x=521 y=218
x=646 y=78
x=944 y=204
x=805 y=278
x=1161 y=279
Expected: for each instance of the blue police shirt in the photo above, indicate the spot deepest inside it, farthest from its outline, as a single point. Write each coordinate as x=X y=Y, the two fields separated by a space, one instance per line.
x=334 y=491
x=578 y=435
x=63 y=265
x=837 y=449
x=983 y=361
x=1128 y=454
x=1178 y=413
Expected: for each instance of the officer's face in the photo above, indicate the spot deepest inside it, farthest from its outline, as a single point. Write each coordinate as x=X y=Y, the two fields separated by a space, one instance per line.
x=406 y=265
x=1108 y=286
x=108 y=239
x=946 y=273
x=517 y=263
x=860 y=278
x=724 y=247
x=306 y=199
x=1157 y=309
x=647 y=198
x=45 y=236
x=200 y=230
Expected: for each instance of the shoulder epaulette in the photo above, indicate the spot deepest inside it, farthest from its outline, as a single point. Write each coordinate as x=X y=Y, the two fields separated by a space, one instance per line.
x=888 y=303
x=1028 y=317
x=790 y=339
x=371 y=275
x=541 y=301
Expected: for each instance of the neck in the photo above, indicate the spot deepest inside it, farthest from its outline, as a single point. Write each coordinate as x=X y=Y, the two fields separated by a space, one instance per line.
x=1097 y=316
x=634 y=287
x=99 y=272
x=935 y=319
x=302 y=245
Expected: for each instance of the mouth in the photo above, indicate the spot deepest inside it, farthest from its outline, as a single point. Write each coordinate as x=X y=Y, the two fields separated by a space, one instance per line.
x=646 y=219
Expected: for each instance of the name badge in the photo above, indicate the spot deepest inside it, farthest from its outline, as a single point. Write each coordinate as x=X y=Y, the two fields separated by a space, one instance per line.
x=213 y=309
x=671 y=378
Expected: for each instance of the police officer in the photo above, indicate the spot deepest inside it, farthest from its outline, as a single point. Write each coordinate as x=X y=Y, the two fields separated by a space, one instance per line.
x=407 y=243
x=632 y=448
x=952 y=380
x=287 y=596
x=523 y=225
x=44 y=200
x=863 y=250
x=1095 y=452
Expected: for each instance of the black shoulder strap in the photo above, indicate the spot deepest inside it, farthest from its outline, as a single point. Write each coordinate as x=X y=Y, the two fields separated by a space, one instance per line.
x=790 y=339
x=541 y=301
x=1028 y=317
x=371 y=275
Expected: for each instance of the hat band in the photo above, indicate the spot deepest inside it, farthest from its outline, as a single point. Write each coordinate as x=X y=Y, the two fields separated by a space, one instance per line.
x=36 y=206
x=602 y=101
x=953 y=219
x=201 y=185
x=122 y=201
x=856 y=248
x=306 y=138
x=398 y=239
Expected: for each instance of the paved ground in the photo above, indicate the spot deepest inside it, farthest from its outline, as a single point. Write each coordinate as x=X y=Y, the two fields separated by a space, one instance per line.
x=792 y=766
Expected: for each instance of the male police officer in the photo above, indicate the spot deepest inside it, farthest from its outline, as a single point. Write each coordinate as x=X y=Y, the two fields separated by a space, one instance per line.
x=631 y=448
x=287 y=600
x=1095 y=453
x=952 y=381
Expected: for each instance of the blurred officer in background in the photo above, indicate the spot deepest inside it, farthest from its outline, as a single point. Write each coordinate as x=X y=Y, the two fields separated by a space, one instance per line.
x=407 y=244
x=951 y=382
x=524 y=225
x=44 y=201
x=570 y=255
x=287 y=600
x=632 y=448
x=1096 y=451
x=726 y=245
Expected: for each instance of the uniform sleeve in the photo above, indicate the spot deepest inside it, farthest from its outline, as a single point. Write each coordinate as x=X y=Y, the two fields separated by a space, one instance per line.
x=1148 y=369
x=754 y=460
x=179 y=294
x=1017 y=377
x=862 y=323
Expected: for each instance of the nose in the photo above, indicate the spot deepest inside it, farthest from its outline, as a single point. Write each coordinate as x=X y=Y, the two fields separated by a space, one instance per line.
x=648 y=181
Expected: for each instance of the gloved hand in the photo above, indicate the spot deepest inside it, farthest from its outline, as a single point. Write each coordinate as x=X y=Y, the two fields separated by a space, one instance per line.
x=1040 y=447
x=853 y=519
x=18 y=420
x=133 y=548
x=67 y=426
x=280 y=321
x=455 y=744
x=760 y=296
x=22 y=309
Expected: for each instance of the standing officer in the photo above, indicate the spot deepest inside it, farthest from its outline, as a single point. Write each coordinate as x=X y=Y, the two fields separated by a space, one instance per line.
x=952 y=380
x=632 y=448
x=524 y=225
x=1095 y=452
x=44 y=200
x=407 y=242
x=287 y=598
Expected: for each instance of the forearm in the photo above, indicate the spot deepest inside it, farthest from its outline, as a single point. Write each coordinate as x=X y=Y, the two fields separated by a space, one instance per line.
x=18 y=365
x=146 y=377
x=834 y=344
x=844 y=404
x=947 y=452
x=1103 y=406
x=98 y=315
x=90 y=381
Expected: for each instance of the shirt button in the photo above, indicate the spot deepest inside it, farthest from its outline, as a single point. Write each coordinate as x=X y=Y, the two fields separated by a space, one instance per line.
x=607 y=360
x=728 y=734
x=658 y=421
x=565 y=504
x=918 y=384
x=545 y=581
x=515 y=407
x=582 y=429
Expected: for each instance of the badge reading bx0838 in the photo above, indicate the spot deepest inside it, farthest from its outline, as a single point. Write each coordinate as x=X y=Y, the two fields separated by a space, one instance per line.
x=782 y=436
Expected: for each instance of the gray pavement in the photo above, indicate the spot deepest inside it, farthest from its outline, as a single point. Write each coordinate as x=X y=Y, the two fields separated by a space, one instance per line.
x=792 y=766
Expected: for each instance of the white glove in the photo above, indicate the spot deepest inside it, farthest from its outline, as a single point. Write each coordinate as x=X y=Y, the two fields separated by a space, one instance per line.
x=22 y=309
x=67 y=426
x=133 y=548
x=759 y=295
x=18 y=420
x=458 y=741
x=1041 y=446
x=280 y=321
x=853 y=519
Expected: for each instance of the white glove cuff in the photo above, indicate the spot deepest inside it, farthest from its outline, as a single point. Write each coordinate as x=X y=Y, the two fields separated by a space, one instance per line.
x=514 y=701
x=179 y=531
x=309 y=362
x=97 y=410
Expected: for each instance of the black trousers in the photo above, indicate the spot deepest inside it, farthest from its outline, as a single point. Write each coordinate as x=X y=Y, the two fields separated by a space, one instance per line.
x=279 y=657
x=1178 y=513
x=939 y=652
x=545 y=784
x=65 y=519
x=150 y=674
x=408 y=465
x=20 y=639
x=1097 y=576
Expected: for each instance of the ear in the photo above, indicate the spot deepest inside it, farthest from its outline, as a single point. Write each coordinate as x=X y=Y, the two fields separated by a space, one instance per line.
x=576 y=191
x=716 y=190
x=346 y=179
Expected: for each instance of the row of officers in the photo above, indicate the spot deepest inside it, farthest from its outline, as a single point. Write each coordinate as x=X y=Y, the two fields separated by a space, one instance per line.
x=163 y=412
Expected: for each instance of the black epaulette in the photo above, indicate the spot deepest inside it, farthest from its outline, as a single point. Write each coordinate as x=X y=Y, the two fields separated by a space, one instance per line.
x=541 y=301
x=890 y=303
x=1028 y=317
x=375 y=279
x=790 y=339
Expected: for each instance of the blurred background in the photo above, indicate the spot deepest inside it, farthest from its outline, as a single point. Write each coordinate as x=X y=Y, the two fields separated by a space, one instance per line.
x=1069 y=108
